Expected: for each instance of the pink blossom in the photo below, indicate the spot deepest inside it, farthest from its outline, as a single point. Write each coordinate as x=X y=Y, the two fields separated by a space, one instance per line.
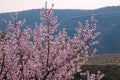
x=40 y=55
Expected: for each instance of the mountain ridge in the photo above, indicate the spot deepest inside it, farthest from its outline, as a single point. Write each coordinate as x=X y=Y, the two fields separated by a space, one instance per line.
x=108 y=23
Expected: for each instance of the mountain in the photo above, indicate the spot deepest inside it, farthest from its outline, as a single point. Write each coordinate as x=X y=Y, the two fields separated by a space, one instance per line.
x=108 y=23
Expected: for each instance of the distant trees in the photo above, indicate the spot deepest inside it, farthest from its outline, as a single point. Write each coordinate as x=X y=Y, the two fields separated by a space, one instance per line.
x=39 y=54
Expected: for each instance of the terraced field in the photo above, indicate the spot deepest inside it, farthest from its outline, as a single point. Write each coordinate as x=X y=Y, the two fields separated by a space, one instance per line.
x=105 y=59
x=109 y=64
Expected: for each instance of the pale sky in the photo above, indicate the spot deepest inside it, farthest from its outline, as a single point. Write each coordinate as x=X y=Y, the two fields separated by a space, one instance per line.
x=18 y=5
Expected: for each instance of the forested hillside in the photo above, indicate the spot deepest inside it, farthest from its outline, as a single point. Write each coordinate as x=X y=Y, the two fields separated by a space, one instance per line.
x=108 y=23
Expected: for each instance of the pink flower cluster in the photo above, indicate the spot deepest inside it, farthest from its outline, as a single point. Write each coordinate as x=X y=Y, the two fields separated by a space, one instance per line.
x=90 y=76
x=40 y=55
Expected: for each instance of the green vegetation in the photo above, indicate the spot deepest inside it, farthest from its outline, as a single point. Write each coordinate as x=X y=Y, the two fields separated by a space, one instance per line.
x=109 y=64
x=112 y=72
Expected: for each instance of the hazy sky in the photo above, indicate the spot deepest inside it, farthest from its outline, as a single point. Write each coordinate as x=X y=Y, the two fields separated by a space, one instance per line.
x=18 y=5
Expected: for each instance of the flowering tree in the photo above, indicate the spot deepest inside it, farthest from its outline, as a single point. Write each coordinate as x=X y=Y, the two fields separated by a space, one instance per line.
x=39 y=54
